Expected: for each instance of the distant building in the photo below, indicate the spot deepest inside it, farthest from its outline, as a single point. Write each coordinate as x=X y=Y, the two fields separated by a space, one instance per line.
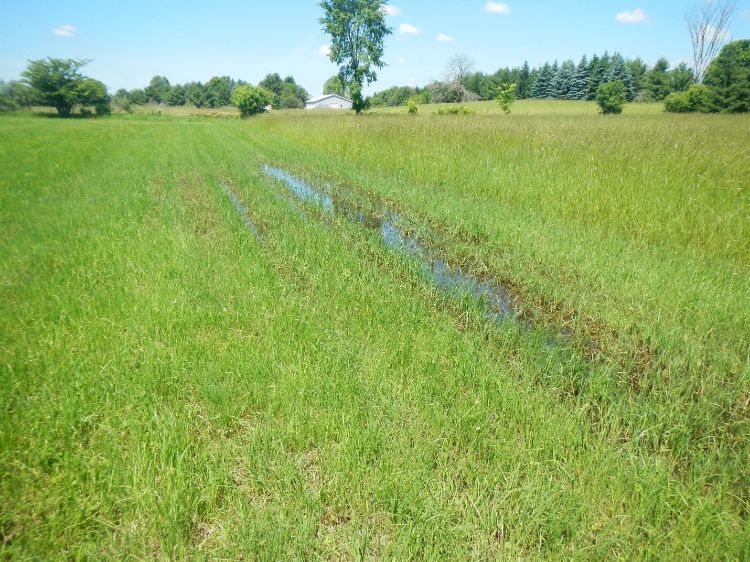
x=328 y=101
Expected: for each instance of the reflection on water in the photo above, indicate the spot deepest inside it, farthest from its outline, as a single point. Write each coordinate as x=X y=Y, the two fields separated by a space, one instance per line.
x=301 y=189
x=242 y=211
x=497 y=298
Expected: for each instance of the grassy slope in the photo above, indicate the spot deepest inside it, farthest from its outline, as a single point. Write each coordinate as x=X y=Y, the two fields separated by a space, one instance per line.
x=175 y=388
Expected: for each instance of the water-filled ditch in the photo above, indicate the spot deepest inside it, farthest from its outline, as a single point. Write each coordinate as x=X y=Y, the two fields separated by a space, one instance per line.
x=242 y=211
x=499 y=302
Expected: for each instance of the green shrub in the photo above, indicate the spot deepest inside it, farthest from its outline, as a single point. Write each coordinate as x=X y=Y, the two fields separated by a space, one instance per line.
x=455 y=110
x=726 y=87
x=677 y=102
x=611 y=97
x=103 y=108
x=506 y=95
x=697 y=98
x=251 y=100
x=411 y=106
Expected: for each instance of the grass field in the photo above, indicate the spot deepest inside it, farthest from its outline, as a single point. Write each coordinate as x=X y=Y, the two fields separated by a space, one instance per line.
x=176 y=387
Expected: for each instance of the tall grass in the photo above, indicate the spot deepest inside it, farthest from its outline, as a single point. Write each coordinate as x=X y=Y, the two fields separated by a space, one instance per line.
x=176 y=388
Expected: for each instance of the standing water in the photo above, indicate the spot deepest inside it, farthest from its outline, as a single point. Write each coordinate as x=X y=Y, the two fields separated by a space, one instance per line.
x=242 y=211
x=497 y=299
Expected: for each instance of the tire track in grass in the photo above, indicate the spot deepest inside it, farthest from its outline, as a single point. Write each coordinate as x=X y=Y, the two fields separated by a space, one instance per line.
x=242 y=210
x=500 y=302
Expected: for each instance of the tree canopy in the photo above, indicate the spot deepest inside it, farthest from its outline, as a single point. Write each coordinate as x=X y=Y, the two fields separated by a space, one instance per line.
x=728 y=76
x=251 y=100
x=357 y=29
x=334 y=85
x=287 y=94
x=59 y=84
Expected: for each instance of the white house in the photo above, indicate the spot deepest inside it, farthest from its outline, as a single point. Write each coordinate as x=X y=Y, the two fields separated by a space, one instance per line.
x=328 y=101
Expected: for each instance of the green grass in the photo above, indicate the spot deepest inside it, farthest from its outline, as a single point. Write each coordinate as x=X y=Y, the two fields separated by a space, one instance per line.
x=174 y=388
x=533 y=107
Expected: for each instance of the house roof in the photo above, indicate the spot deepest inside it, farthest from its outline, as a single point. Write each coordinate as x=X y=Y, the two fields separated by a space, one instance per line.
x=326 y=96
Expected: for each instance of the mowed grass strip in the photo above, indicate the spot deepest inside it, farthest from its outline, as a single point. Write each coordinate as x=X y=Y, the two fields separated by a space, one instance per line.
x=175 y=388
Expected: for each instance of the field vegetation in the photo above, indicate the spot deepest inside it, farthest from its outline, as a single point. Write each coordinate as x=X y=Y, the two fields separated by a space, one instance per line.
x=179 y=385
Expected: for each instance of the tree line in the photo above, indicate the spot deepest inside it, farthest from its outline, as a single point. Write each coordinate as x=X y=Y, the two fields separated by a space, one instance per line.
x=56 y=83
x=59 y=83
x=217 y=92
x=567 y=81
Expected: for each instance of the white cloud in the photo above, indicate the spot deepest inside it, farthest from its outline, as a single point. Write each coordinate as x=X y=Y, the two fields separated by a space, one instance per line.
x=443 y=38
x=389 y=10
x=66 y=30
x=745 y=15
x=324 y=50
x=401 y=60
x=408 y=29
x=497 y=8
x=633 y=16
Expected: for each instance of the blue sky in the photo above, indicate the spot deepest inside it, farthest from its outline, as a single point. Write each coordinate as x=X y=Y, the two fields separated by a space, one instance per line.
x=129 y=42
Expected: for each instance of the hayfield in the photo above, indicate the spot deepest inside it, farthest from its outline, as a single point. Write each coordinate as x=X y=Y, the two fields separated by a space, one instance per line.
x=195 y=363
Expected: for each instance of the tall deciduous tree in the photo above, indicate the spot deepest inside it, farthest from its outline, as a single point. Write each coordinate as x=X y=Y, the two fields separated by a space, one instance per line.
x=158 y=89
x=458 y=68
x=293 y=96
x=59 y=84
x=218 y=91
x=94 y=93
x=334 y=85
x=708 y=24
x=358 y=30
x=273 y=83
x=56 y=81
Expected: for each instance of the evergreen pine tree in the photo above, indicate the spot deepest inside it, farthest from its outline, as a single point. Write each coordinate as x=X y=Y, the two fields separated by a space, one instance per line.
x=533 y=75
x=596 y=71
x=579 y=91
x=637 y=70
x=562 y=84
x=656 y=82
x=523 y=81
x=543 y=81
x=618 y=71
x=550 y=91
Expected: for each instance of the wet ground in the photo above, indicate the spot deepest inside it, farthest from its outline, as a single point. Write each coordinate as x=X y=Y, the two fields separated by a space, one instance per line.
x=395 y=234
x=242 y=211
x=500 y=302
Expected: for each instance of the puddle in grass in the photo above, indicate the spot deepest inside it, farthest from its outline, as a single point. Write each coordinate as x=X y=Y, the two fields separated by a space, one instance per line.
x=243 y=212
x=497 y=299
x=300 y=189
